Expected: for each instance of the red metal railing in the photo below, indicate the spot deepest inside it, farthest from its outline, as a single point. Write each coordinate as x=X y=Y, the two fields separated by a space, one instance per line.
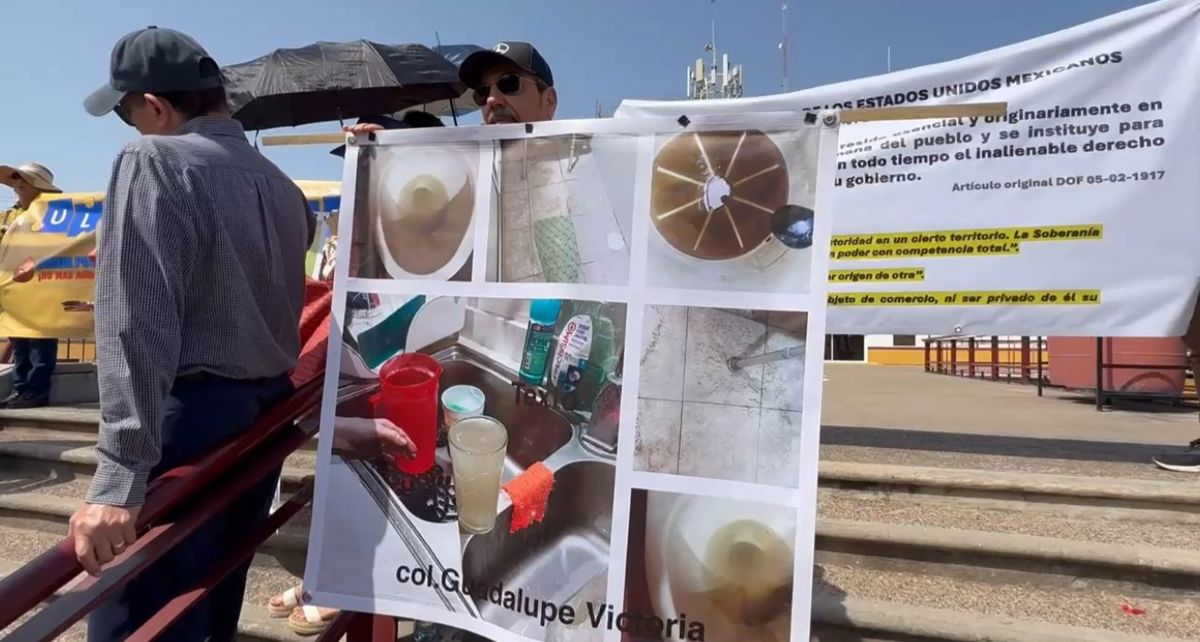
x=943 y=356
x=204 y=487
x=1105 y=396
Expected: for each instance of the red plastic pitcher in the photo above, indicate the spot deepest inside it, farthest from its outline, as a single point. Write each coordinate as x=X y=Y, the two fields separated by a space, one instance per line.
x=408 y=396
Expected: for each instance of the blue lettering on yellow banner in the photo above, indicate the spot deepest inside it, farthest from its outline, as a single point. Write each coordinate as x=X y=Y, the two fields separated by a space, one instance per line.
x=58 y=216
x=56 y=263
x=325 y=204
x=86 y=218
x=64 y=216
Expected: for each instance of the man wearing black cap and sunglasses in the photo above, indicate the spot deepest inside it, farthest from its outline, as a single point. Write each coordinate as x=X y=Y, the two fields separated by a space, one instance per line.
x=512 y=83
x=199 y=289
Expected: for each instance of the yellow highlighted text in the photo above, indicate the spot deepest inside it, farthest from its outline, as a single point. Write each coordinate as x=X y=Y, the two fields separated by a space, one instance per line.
x=879 y=275
x=954 y=243
x=977 y=297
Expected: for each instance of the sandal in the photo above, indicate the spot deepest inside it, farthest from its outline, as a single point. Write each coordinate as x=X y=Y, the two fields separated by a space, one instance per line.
x=282 y=605
x=311 y=620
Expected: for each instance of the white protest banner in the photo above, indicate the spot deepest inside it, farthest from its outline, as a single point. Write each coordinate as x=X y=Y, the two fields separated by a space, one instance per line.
x=1077 y=214
x=574 y=400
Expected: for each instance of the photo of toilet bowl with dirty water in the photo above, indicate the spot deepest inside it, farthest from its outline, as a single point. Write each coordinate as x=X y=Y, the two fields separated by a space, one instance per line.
x=421 y=206
x=725 y=565
x=732 y=210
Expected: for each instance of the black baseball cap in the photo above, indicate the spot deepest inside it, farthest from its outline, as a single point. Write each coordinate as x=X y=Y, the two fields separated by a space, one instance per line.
x=521 y=54
x=154 y=61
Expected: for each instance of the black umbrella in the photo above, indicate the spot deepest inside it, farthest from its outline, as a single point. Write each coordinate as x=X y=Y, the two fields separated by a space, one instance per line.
x=464 y=103
x=329 y=81
x=459 y=105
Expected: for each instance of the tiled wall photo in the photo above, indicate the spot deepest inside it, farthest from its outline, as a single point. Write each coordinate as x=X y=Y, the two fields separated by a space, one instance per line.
x=721 y=394
x=558 y=221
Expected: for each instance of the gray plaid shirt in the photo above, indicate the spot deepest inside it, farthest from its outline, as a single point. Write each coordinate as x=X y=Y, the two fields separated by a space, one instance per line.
x=200 y=268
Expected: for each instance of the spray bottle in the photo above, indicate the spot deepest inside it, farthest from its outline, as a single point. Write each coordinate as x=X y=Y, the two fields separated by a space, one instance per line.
x=539 y=340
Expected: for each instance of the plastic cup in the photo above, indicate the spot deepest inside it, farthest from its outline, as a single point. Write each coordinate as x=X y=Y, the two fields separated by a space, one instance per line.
x=460 y=402
x=477 y=447
x=408 y=393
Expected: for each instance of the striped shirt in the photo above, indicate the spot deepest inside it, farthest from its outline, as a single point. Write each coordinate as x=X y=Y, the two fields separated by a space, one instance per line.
x=199 y=268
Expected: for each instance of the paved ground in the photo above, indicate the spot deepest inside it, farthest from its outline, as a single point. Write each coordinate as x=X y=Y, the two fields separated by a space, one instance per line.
x=903 y=415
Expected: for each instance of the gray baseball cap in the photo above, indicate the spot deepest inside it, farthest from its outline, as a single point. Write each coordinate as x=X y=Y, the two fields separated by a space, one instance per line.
x=154 y=61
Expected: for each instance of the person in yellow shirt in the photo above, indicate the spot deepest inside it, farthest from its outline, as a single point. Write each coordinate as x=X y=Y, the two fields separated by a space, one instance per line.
x=33 y=359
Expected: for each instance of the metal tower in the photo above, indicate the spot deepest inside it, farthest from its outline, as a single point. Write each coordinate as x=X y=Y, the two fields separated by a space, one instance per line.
x=714 y=81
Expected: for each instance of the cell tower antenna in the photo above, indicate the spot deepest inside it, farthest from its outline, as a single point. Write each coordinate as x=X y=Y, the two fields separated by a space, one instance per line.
x=714 y=36
x=783 y=45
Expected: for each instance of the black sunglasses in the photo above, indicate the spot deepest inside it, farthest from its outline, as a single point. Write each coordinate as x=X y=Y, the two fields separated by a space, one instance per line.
x=508 y=84
x=122 y=111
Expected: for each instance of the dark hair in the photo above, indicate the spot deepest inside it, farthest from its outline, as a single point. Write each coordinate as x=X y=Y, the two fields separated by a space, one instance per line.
x=194 y=104
x=416 y=118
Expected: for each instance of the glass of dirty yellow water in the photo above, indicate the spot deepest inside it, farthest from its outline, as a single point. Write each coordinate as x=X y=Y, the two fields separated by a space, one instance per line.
x=477 y=447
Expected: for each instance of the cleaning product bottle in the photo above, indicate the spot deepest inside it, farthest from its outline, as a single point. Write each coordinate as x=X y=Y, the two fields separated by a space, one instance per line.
x=539 y=339
x=608 y=321
x=571 y=360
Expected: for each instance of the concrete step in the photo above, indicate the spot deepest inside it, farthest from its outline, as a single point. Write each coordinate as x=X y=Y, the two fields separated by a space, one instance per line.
x=851 y=603
x=47 y=459
x=71 y=383
x=1177 y=499
x=268 y=576
x=1019 y=560
x=1099 y=524
x=48 y=513
x=62 y=454
x=78 y=418
x=1134 y=463
x=927 y=553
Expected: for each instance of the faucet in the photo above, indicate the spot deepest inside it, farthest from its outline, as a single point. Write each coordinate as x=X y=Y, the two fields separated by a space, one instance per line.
x=601 y=430
x=737 y=363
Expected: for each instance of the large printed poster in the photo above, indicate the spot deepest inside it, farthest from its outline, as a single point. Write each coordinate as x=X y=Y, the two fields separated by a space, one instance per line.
x=574 y=399
x=1074 y=214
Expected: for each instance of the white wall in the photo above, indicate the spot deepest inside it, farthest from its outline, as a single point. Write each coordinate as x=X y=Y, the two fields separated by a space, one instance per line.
x=497 y=328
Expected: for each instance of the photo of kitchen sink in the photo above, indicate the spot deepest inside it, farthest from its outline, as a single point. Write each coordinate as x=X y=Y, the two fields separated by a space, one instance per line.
x=519 y=453
x=553 y=561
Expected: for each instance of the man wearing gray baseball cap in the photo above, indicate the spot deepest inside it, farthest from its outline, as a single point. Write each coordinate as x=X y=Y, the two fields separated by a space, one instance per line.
x=199 y=289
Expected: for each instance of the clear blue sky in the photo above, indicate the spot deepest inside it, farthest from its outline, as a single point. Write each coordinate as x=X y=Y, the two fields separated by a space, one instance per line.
x=55 y=52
